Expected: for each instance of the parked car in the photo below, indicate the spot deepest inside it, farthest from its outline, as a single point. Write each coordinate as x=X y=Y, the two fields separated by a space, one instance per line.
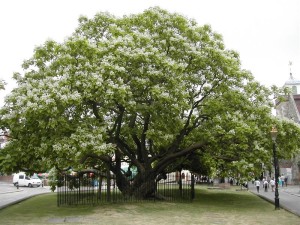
x=21 y=179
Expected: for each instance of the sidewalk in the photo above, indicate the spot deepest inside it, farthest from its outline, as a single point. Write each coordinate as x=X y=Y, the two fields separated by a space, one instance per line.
x=289 y=197
x=8 y=188
x=9 y=194
x=292 y=189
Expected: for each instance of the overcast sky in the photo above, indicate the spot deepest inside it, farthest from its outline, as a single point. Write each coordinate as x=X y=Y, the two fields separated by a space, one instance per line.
x=266 y=33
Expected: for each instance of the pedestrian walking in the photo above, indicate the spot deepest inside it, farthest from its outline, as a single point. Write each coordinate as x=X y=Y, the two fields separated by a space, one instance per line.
x=257 y=184
x=266 y=185
x=282 y=180
x=285 y=180
x=272 y=183
x=279 y=182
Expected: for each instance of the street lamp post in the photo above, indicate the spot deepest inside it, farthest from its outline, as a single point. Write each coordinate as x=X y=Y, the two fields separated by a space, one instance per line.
x=276 y=166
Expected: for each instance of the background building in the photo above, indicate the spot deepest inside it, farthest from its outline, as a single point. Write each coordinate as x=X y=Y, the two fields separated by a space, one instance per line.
x=290 y=109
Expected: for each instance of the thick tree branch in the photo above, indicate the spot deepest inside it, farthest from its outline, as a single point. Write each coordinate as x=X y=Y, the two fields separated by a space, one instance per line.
x=119 y=120
x=116 y=129
x=125 y=148
x=134 y=136
x=144 y=150
x=103 y=158
x=95 y=110
x=168 y=159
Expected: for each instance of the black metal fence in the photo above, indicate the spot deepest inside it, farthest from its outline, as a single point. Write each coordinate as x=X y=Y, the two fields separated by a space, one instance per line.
x=86 y=188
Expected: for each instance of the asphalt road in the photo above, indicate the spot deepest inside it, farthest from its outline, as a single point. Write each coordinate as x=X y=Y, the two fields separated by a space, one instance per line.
x=9 y=194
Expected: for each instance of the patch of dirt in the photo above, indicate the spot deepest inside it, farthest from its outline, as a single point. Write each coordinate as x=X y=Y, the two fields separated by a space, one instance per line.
x=64 y=220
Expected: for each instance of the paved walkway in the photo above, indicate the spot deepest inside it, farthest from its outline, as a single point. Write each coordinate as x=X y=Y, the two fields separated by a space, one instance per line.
x=10 y=195
x=289 y=197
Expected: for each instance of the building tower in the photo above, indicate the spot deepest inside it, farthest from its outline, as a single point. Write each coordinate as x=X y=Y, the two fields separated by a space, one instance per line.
x=290 y=108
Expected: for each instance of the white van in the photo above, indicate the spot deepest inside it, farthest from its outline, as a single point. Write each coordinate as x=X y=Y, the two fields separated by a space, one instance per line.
x=21 y=179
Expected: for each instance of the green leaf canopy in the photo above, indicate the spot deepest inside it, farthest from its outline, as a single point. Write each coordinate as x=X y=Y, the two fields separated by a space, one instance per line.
x=149 y=89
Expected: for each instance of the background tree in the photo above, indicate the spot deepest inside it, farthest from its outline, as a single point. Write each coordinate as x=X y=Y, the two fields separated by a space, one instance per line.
x=149 y=89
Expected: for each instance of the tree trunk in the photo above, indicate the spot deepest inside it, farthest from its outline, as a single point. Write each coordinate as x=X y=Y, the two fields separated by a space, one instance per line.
x=141 y=186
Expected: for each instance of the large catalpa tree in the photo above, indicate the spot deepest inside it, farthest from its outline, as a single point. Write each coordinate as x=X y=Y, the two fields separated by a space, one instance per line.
x=155 y=90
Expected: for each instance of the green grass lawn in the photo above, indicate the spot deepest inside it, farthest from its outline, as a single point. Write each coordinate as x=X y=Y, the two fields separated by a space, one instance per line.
x=210 y=207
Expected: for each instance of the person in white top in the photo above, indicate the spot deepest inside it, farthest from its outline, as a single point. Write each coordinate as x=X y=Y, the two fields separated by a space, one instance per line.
x=263 y=182
x=272 y=183
x=257 y=184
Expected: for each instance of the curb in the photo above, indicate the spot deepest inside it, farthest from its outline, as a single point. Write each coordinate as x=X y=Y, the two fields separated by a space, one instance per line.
x=280 y=205
x=11 y=189
x=6 y=192
x=292 y=193
x=19 y=190
x=20 y=200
